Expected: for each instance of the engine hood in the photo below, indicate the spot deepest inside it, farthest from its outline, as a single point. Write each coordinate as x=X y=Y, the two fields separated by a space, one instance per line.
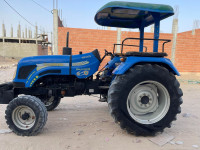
x=43 y=59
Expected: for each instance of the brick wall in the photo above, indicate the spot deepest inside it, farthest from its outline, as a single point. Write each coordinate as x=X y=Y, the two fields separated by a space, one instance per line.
x=187 y=57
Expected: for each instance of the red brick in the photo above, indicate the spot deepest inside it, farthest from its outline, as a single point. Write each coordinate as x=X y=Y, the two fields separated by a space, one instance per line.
x=187 y=57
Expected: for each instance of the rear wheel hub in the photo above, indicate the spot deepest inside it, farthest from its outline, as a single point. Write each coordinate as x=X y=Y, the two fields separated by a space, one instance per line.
x=148 y=102
x=145 y=100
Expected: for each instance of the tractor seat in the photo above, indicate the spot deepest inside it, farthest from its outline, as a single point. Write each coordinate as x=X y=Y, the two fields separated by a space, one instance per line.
x=145 y=54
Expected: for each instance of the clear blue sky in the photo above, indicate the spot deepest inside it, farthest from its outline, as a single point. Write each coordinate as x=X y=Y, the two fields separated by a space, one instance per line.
x=80 y=13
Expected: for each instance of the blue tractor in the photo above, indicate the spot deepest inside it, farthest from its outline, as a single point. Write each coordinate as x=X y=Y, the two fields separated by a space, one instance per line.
x=140 y=87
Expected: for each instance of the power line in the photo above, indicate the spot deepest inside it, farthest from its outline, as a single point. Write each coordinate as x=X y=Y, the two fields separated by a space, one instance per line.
x=18 y=13
x=21 y=15
x=41 y=6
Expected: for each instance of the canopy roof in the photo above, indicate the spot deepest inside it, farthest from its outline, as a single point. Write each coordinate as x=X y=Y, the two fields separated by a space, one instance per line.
x=131 y=14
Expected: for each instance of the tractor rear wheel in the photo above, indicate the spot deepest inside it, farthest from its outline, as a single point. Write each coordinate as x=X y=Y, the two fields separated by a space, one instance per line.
x=145 y=100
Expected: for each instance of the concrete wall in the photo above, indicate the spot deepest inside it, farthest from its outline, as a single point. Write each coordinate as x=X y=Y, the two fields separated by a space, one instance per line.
x=18 y=50
x=24 y=44
x=187 y=54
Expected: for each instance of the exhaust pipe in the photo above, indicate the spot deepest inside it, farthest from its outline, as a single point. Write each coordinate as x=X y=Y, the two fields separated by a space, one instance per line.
x=67 y=50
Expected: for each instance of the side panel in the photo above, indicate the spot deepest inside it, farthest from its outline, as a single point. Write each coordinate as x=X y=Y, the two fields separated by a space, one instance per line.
x=130 y=61
x=82 y=66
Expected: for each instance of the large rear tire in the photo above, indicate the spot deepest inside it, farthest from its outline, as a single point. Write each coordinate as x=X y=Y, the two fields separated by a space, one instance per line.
x=145 y=100
x=26 y=115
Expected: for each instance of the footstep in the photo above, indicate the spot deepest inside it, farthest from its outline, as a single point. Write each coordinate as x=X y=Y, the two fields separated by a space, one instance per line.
x=80 y=132
x=162 y=139
x=63 y=119
x=104 y=121
x=107 y=139
x=186 y=115
x=138 y=141
x=195 y=146
x=172 y=142
x=179 y=142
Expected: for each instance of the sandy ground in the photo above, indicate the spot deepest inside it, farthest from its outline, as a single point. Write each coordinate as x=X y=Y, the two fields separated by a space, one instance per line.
x=82 y=123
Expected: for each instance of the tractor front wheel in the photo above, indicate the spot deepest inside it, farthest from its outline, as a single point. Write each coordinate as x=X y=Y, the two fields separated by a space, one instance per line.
x=145 y=100
x=26 y=115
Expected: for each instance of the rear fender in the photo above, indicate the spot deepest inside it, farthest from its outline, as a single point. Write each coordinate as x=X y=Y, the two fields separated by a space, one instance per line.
x=131 y=61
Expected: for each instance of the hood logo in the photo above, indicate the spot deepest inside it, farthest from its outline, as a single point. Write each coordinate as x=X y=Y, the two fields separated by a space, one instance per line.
x=80 y=63
x=82 y=73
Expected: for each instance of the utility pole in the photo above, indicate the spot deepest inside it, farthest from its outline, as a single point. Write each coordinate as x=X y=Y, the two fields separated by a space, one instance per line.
x=26 y=33
x=19 y=31
x=118 y=39
x=51 y=43
x=11 y=31
x=3 y=30
x=174 y=32
x=55 y=29
x=195 y=26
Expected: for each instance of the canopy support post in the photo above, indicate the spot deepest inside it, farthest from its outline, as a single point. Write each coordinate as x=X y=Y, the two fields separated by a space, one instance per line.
x=156 y=17
x=141 y=36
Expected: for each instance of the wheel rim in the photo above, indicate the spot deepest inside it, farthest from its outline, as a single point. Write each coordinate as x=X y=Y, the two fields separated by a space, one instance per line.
x=148 y=102
x=23 y=117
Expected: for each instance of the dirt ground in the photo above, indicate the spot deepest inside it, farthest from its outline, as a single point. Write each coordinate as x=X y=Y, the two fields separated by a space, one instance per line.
x=83 y=123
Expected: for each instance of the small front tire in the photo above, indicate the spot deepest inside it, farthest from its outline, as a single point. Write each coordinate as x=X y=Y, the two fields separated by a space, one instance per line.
x=26 y=115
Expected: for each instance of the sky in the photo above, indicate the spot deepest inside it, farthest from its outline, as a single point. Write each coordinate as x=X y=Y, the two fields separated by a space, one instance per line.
x=80 y=13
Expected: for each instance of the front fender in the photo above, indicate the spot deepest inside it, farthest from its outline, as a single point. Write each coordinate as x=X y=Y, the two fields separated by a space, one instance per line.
x=53 y=70
x=131 y=61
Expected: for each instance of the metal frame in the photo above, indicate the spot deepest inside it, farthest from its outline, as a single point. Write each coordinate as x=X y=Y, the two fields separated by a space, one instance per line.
x=142 y=39
x=156 y=39
x=128 y=45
